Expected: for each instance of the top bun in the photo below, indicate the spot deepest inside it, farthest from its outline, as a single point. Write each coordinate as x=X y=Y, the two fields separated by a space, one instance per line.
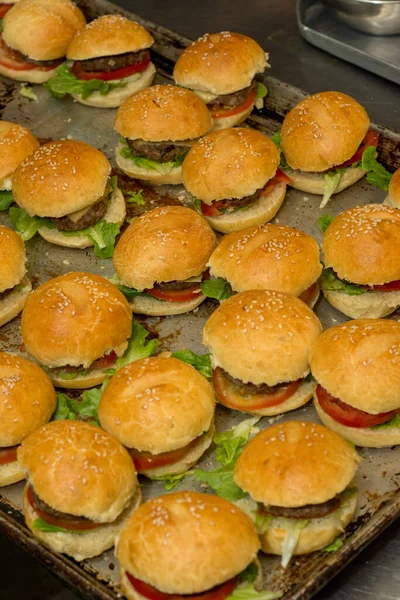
x=220 y=63
x=164 y=244
x=268 y=257
x=13 y=259
x=230 y=163
x=262 y=336
x=16 y=143
x=157 y=405
x=60 y=178
x=186 y=542
x=394 y=189
x=322 y=131
x=27 y=398
x=161 y=113
x=79 y=469
x=359 y=363
x=75 y=319
x=294 y=464
x=42 y=29
x=362 y=245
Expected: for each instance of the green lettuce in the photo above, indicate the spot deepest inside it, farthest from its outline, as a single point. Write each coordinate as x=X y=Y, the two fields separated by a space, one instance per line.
x=135 y=197
x=103 y=236
x=83 y=408
x=261 y=89
x=27 y=92
x=64 y=409
x=376 y=173
x=332 y=180
x=41 y=525
x=395 y=422
x=330 y=281
x=147 y=163
x=333 y=546
x=201 y=362
x=70 y=375
x=248 y=592
x=216 y=288
x=25 y=225
x=138 y=347
x=293 y=528
x=324 y=221
x=129 y=293
x=6 y=199
x=171 y=481
x=276 y=138
x=66 y=83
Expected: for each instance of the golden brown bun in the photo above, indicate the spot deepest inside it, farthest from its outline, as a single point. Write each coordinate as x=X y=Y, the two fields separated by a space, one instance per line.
x=80 y=382
x=161 y=113
x=16 y=143
x=79 y=469
x=230 y=163
x=157 y=405
x=220 y=63
x=232 y=121
x=13 y=258
x=169 y=177
x=75 y=319
x=143 y=305
x=12 y=304
x=42 y=29
x=372 y=305
x=394 y=189
x=314 y=183
x=261 y=336
x=322 y=131
x=270 y=257
x=107 y=36
x=165 y=534
x=362 y=244
x=30 y=76
x=295 y=463
x=70 y=172
x=81 y=545
x=10 y=473
x=164 y=244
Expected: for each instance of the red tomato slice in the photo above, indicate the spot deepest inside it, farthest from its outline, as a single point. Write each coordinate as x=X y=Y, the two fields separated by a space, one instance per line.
x=308 y=294
x=392 y=286
x=12 y=60
x=105 y=361
x=8 y=455
x=144 y=461
x=371 y=139
x=230 y=112
x=230 y=395
x=210 y=210
x=219 y=592
x=109 y=75
x=176 y=295
x=4 y=8
x=347 y=415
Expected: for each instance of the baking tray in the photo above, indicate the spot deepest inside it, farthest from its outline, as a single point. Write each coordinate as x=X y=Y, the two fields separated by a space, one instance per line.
x=378 y=478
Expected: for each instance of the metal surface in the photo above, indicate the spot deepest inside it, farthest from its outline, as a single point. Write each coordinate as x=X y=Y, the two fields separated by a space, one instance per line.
x=377 y=17
x=378 y=479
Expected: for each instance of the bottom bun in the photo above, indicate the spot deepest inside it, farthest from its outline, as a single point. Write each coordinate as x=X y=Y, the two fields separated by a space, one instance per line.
x=81 y=382
x=391 y=202
x=15 y=300
x=30 y=76
x=226 y=122
x=145 y=305
x=314 y=183
x=81 y=545
x=11 y=473
x=172 y=177
x=371 y=305
x=315 y=296
x=368 y=437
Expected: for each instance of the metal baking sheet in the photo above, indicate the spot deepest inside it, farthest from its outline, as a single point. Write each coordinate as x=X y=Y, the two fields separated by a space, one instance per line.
x=378 y=478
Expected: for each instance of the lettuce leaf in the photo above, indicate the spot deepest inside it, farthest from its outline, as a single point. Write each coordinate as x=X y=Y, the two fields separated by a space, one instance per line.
x=330 y=281
x=376 y=173
x=102 y=234
x=64 y=408
x=201 y=362
x=293 y=527
x=248 y=592
x=147 y=163
x=217 y=288
x=276 y=138
x=324 y=221
x=83 y=408
x=333 y=546
x=261 y=89
x=25 y=225
x=135 y=197
x=129 y=293
x=395 y=422
x=138 y=347
x=41 y=525
x=66 y=83
x=6 y=199
x=27 y=92
x=171 y=481
x=332 y=180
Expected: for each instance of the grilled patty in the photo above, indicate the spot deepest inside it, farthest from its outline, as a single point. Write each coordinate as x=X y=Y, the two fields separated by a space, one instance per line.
x=42 y=506
x=230 y=100
x=111 y=63
x=159 y=151
x=309 y=511
x=238 y=202
x=251 y=388
x=176 y=285
x=93 y=216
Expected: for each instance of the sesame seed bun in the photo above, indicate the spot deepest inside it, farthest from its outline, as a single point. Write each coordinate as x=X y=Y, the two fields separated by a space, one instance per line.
x=13 y=259
x=172 y=176
x=42 y=29
x=70 y=172
x=168 y=533
x=16 y=143
x=75 y=319
x=220 y=63
x=30 y=76
x=394 y=190
x=371 y=305
x=145 y=305
x=322 y=131
x=272 y=257
x=315 y=183
x=262 y=336
x=11 y=473
x=294 y=464
x=12 y=304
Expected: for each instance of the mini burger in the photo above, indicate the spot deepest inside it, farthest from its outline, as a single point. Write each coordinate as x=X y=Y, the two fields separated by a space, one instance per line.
x=357 y=367
x=393 y=197
x=157 y=128
x=75 y=326
x=299 y=475
x=162 y=411
x=35 y=37
x=111 y=61
x=220 y=68
x=27 y=401
x=81 y=487
x=68 y=185
x=362 y=268
x=269 y=257
x=188 y=545
x=234 y=179
x=259 y=343
x=323 y=140
x=161 y=260
x=15 y=286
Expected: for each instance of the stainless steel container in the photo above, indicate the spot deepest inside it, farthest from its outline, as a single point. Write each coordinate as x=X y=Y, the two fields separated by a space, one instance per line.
x=377 y=17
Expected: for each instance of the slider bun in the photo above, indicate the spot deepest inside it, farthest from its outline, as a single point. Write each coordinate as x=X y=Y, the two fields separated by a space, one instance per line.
x=11 y=473
x=164 y=244
x=394 y=189
x=143 y=305
x=322 y=131
x=13 y=259
x=230 y=163
x=165 y=534
x=60 y=178
x=371 y=305
x=362 y=244
x=269 y=257
x=262 y=336
x=107 y=36
x=14 y=302
x=30 y=76
x=42 y=29
x=359 y=363
x=79 y=469
x=171 y=177
x=236 y=119
x=220 y=63
x=75 y=319
x=314 y=183
x=294 y=464
x=16 y=143
x=161 y=113
x=80 y=382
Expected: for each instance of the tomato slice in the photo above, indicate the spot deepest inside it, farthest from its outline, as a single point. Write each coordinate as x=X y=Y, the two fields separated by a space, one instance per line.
x=210 y=210
x=279 y=177
x=219 y=592
x=308 y=294
x=144 y=461
x=8 y=455
x=392 y=286
x=371 y=139
x=105 y=361
x=12 y=60
x=230 y=112
x=109 y=75
x=176 y=295
x=4 y=8
x=230 y=395
x=347 y=415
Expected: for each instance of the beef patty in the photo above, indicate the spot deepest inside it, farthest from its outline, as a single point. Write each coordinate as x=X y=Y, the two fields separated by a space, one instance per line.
x=42 y=506
x=112 y=63
x=91 y=217
x=230 y=100
x=159 y=151
x=234 y=203
x=252 y=388
x=309 y=511
x=176 y=285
